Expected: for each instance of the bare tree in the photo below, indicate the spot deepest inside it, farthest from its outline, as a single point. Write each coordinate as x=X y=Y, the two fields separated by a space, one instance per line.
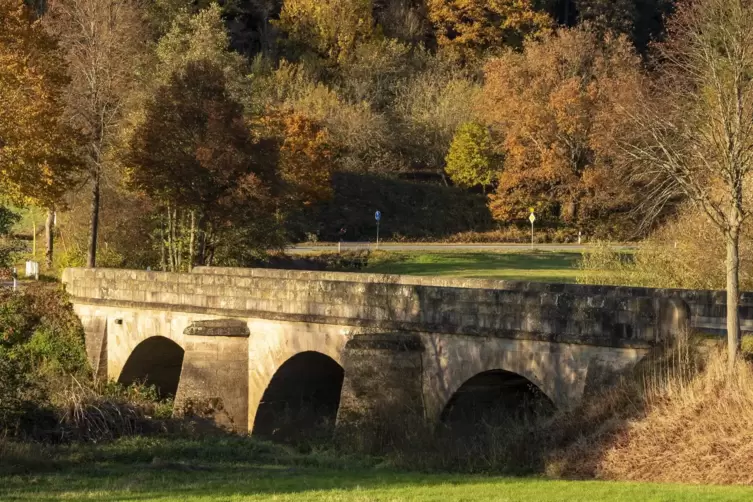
x=103 y=41
x=695 y=133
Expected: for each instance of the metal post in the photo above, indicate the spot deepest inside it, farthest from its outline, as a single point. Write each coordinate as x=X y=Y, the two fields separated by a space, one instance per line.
x=377 y=243
x=531 y=235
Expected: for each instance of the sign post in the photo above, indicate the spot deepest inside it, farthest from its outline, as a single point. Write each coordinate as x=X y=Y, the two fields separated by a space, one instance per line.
x=532 y=218
x=378 y=218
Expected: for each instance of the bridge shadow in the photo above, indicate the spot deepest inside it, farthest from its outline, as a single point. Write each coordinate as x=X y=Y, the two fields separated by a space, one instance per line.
x=235 y=482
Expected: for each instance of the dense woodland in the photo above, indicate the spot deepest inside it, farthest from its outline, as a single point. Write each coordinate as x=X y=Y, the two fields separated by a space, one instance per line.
x=175 y=132
x=180 y=131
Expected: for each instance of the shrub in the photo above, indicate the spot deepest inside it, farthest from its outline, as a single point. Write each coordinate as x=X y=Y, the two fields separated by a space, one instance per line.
x=57 y=351
x=519 y=234
x=17 y=319
x=685 y=253
x=16 y=391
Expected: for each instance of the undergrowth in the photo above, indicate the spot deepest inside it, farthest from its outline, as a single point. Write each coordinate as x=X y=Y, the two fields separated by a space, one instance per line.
x=47 y=390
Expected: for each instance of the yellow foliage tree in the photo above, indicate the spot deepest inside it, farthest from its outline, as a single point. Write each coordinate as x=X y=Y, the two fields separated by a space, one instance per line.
x=36 y=151
x=468 y=28
x=471 y=160
x=330 y=27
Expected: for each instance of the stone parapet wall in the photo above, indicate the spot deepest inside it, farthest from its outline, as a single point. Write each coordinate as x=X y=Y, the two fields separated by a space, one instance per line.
x=594 y=315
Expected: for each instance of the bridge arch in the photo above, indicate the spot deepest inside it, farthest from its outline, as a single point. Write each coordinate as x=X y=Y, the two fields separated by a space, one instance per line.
x=496 y=397
x=301 y=399
x=156 y=361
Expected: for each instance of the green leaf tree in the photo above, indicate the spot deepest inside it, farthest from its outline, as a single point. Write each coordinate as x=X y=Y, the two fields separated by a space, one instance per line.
x=471 y=161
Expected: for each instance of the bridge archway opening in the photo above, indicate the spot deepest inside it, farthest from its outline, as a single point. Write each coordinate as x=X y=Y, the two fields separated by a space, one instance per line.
x=155 y=361
x=301 y=400
x=494 y=398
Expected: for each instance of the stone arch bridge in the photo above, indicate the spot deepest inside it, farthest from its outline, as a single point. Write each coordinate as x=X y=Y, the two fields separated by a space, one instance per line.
x=244 y=345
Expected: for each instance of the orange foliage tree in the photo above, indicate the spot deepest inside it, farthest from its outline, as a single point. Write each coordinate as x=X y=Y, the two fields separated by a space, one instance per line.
x=468 y=28
x=306 y=158
x=557 y=108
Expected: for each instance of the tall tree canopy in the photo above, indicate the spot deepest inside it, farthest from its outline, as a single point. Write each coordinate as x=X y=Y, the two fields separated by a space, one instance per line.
x=37 y=151
x=103 y=41
x=555 y=107
x=695 y=133
x=468 y=29
x=193 y=153
x=329 y=27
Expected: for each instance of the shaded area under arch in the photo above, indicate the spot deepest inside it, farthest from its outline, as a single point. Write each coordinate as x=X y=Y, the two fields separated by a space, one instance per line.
x=155 y=361
x=301 y=400
x=494 y=397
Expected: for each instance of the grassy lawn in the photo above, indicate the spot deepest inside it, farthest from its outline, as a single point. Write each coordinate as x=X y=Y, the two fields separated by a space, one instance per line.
x=543 y=266
x=242 y=469
x=236 y=468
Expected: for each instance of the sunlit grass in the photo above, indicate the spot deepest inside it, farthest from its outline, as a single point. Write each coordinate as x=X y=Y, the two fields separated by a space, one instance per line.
x=540 y=266
x=220 y=468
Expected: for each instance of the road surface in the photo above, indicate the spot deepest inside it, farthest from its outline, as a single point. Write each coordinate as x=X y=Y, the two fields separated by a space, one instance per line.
x=490 y=247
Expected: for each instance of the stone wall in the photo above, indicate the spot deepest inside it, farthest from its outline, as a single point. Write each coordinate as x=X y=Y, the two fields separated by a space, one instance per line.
x=214 y=377
x=603 y=316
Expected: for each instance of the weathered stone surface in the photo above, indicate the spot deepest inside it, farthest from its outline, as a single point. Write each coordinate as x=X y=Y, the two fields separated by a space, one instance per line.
x=382 y=394
x=218 y=327
x=238 y=326
x=214 y=383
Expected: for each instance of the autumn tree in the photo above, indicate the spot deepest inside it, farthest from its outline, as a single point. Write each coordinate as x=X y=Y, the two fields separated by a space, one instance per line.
x=37 y=151
x=193 y=154
x=468 y=29
x=103 y=41
x=305 y=158
x=197 y=37
x=428 y=108
x=557 y=107
x=471 y=161
x=695 y=134
x=331 y=28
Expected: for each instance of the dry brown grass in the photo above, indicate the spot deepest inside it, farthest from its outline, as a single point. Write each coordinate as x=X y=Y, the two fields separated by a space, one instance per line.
x=683 y=419
x=696 y=430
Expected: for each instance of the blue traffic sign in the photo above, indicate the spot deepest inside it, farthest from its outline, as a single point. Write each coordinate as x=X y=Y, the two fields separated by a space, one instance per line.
x=378 y=215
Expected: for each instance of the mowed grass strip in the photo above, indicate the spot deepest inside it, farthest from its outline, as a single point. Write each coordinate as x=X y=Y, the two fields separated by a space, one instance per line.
x=541 y=266
x=251 y=483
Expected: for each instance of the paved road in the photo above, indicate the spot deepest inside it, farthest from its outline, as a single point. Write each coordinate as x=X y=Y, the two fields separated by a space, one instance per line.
x=352 y=246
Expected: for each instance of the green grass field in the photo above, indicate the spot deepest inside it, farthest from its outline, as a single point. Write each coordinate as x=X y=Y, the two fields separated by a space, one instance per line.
x=238 y=468
x=240 y=482
x=543 y=266
x=235 y=468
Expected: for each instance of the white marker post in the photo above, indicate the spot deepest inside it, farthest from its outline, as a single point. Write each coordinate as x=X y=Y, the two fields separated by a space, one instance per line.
x=532 y=218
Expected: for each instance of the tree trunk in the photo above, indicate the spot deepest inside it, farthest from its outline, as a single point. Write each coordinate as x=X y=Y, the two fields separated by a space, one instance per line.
x=170 y=253
x=91 y=260
x=49 y=229
x=192 y=241
x=162 y=259
x=733 y=295
x=201 y=259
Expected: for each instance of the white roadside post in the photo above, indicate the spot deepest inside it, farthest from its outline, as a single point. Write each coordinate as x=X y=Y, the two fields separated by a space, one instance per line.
x=532 y=218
